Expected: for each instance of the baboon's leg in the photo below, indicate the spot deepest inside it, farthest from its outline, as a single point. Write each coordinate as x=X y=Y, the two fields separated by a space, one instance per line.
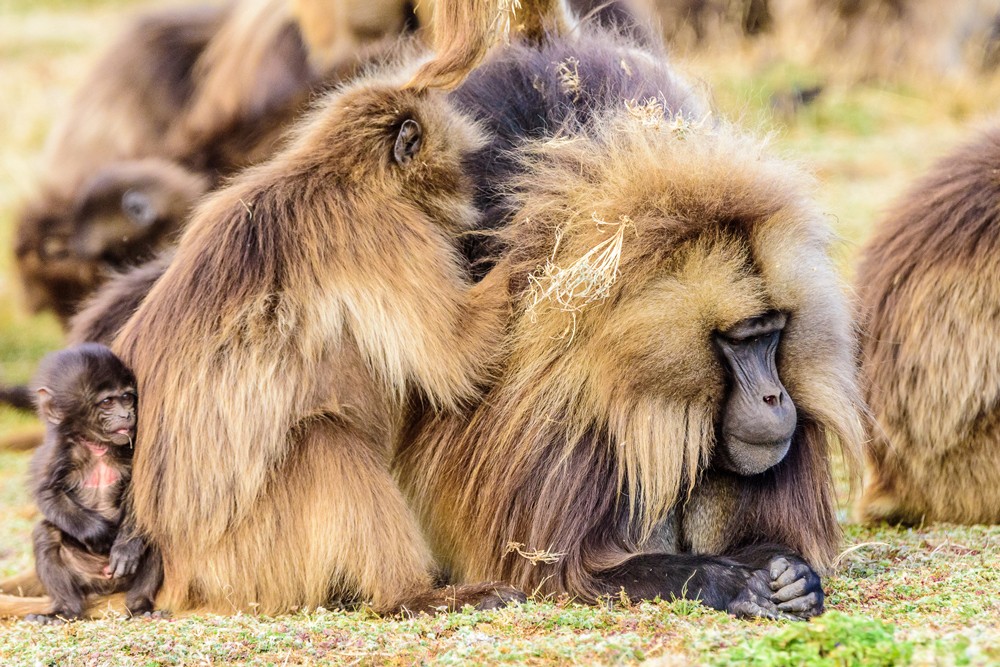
x=141 y=595
x=58 y=578
x=329 y=523
x=373 y=538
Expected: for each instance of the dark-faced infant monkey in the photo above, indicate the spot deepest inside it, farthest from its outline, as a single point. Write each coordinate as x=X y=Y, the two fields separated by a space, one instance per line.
x=80 y=479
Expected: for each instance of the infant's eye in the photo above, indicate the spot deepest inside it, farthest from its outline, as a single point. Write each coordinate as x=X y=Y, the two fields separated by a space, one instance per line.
x=107 y=403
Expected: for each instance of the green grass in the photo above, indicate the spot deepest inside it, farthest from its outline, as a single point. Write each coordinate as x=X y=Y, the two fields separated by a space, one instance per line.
x=900 y=596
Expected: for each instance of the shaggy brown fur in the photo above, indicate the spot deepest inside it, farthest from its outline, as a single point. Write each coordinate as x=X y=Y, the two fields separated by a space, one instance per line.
x=930 y=293
x=251 y=81
x=464 y=31
x=604 y=420
x=308 y=299
x=638 y=230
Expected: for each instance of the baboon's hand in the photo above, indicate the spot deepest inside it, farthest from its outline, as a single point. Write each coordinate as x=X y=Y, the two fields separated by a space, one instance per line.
x=786 y=588
x=755 y=598
x=125 y=557
x=796 y=587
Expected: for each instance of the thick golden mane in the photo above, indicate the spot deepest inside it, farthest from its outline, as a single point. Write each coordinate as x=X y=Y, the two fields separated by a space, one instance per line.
x=633 y=242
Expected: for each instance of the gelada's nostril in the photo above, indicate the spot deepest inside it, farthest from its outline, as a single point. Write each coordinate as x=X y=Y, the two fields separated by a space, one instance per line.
x=771 y=400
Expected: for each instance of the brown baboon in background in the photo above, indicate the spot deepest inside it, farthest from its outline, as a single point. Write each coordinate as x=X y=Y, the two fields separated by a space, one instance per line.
x=695 y=23
x=674 y=298
x=107 y=147
x=182 y=99
x=929 y=283
x=889 y=39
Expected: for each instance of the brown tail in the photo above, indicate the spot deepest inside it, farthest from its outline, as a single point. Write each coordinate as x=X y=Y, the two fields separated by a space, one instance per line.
x=25 y=584
x=23 y=594
x=12 y=606
x=465 y=30
x=22 y=440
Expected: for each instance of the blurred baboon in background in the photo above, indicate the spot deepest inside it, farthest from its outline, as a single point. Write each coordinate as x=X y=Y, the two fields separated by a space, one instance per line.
x=693 y=24
x=889 y=39
x=929 y=283
x=182 y=99
x=103 y=169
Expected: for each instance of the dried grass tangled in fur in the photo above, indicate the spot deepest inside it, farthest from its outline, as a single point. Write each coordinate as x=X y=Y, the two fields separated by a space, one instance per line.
x=535 y=556
x=588 y=279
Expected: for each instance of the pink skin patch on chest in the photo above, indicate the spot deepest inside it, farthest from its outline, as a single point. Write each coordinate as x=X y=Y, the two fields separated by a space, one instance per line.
x=102 y=475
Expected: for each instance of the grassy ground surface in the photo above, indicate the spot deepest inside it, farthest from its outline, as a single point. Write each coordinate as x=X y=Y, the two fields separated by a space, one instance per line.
x=922 y=596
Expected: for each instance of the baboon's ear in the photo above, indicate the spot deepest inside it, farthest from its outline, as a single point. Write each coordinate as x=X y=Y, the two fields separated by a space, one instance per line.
x=408 y=142
x=45 y=406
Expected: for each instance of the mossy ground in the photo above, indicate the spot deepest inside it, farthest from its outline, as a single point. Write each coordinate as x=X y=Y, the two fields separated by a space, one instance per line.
x=924 y=596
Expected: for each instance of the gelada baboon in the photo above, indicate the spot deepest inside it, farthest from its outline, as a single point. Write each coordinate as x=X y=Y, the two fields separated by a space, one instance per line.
x=310 y=298
x=85 y=543
x=931 y=352
x=103 y=166
x=680 y=359
x=181 y=99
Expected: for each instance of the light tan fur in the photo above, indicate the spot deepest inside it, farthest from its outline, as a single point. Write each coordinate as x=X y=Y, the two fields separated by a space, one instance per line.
x=931 y=354
x=464 y=31
x=306 y=302
x=335 y=29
